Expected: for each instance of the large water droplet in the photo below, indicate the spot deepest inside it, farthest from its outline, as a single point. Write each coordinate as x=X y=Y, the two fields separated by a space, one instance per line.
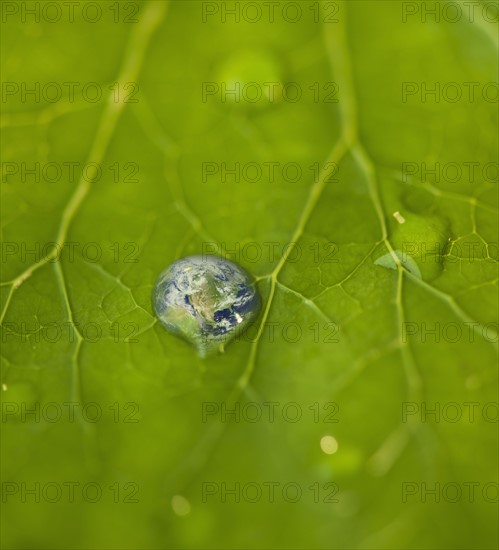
x=205 y=299
x=421 y=243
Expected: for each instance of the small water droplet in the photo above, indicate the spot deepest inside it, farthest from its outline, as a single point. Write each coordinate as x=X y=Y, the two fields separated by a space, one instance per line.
x=22 y=397
x=329 y=445
x=388 y=261
x=205 y=299
x=250 y=78
x=398 y=216
x=180 y=505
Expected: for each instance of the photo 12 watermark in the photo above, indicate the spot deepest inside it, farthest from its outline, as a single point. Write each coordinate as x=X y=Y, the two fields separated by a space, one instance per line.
x=252 y=172
x=69 y=492
x=436 y=492
x=472 y=11
x=270 y=12
x=270 y=92
x=451 y=172
x=451 y=412
x=68 y=331
x=69 y=12
x=451 y=251
x=271 y=251
x=291 y=333
x=278 y=492
x=69 y=172
x=449 y=92
x=68 y=92
x=270 y=412
x=69 y=251
x=53 y=412
x=451 y=332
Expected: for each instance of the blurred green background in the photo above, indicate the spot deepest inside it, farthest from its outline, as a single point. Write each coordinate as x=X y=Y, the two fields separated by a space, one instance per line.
x=351 y=349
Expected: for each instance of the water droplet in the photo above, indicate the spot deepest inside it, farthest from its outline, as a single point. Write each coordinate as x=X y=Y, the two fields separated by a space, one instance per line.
x=251 y=78
x=407 y=261
x=205 y=299
x=398 y=216
x=22 y=396
x=180 y=505
x=421 y=243
x=329 y=445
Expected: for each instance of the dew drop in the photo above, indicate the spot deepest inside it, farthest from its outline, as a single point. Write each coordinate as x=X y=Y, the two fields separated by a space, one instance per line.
x=421 y=243
x=180 y=505
x=329 y=445
x=388 y=261
x=398 y=216
x=206 y=300
x=22 y=395
x=252 y=78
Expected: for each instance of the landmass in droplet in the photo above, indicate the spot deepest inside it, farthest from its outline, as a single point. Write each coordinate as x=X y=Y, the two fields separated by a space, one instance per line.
x=205 y=299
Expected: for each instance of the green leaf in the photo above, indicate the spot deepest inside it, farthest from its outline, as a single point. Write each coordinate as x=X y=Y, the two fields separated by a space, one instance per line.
x=358 y=350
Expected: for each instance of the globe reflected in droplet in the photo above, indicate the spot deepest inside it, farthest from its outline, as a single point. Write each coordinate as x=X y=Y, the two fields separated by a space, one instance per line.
x=205 y=299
